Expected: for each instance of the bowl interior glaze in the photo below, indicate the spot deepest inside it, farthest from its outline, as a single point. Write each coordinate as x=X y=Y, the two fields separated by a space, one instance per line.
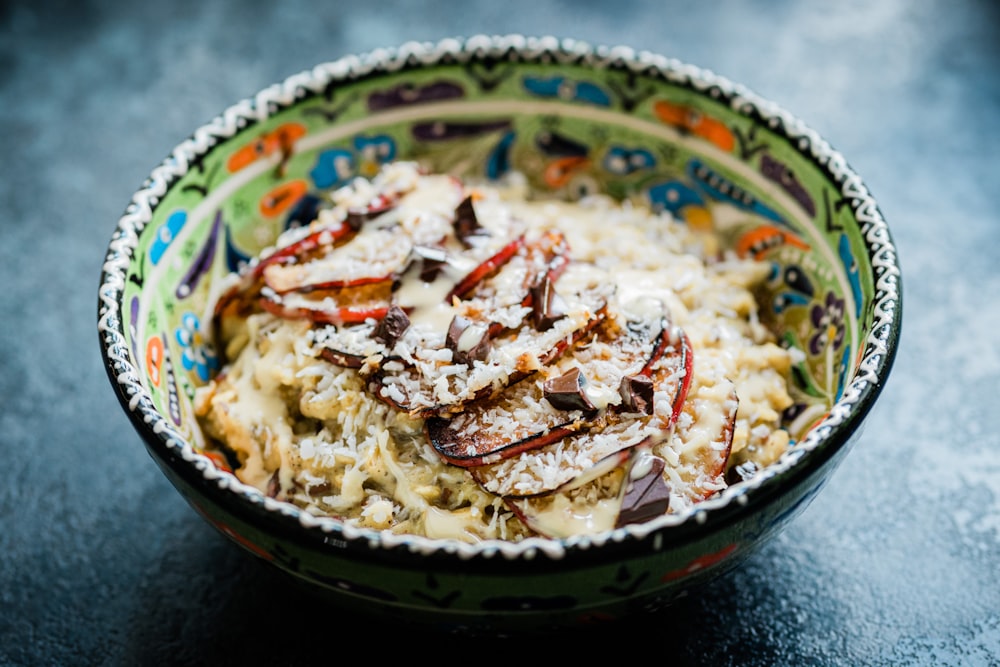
x=574 y=119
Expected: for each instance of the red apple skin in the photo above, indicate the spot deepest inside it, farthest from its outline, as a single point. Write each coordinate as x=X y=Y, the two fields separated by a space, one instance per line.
x=474 y=452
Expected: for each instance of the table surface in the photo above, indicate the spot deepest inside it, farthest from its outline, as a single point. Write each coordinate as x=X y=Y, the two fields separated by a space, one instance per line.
x=102 y=562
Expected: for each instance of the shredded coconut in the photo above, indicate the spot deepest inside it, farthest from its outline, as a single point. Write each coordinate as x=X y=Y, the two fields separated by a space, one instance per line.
x=407 y=432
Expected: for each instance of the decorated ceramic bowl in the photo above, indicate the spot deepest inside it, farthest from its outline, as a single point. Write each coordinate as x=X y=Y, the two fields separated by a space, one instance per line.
x=573 y=119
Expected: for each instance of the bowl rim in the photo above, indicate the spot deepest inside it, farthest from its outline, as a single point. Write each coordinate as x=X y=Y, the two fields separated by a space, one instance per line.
x=832 y=433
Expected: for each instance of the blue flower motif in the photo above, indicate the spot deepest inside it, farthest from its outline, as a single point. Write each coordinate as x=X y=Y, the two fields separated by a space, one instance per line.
x=373 y=152
x=336 y=166
x=623 y=161
x=165 y=234
x=333 y=168
x=197 y=353
x=567 y=89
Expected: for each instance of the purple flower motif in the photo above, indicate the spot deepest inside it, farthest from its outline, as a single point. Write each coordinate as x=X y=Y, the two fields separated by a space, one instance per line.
x=828 y=322
x=197 y=353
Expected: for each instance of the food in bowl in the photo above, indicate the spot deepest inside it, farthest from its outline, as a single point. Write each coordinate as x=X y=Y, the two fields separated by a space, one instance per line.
x=572 y=120
x=468 y=360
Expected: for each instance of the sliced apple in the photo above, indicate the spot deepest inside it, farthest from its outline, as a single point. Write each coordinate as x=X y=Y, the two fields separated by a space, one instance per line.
x=485 y=269
x=429 y=387
x=301 y=249
x=527 y=416
x=323 y=315
x=546 y=469
x=706 y=430
x=328 y=285
x=338 y=306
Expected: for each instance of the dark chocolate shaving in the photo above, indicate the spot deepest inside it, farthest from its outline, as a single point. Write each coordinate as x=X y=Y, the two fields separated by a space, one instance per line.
x=637 y=394
x=392 y=327
x=432 y=261
x=567 y=392
x=356 y=217
x=547 y=307
x=466 y=354
x=646 y=497
x=467 y=227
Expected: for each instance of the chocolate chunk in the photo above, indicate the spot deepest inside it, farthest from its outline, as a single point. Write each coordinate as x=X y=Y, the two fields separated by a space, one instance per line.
x=547 y=307
x=467 y=227
x=467 y=341
x=432 y=261
x=637 y=394
x=392 y=327
x=357 y=217
x=567 y=392
x=647 y=496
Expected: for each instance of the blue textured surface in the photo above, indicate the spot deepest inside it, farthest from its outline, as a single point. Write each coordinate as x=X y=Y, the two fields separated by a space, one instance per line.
x=102 y=562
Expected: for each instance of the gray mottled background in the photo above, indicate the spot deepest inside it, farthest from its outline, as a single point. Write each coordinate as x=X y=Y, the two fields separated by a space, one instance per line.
x=102 y=562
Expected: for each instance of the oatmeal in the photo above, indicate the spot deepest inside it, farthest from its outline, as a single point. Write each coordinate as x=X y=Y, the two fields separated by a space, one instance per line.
x=461 y=360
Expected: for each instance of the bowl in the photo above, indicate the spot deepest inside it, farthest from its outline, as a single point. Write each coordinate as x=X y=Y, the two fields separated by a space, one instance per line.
x=573 y=119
